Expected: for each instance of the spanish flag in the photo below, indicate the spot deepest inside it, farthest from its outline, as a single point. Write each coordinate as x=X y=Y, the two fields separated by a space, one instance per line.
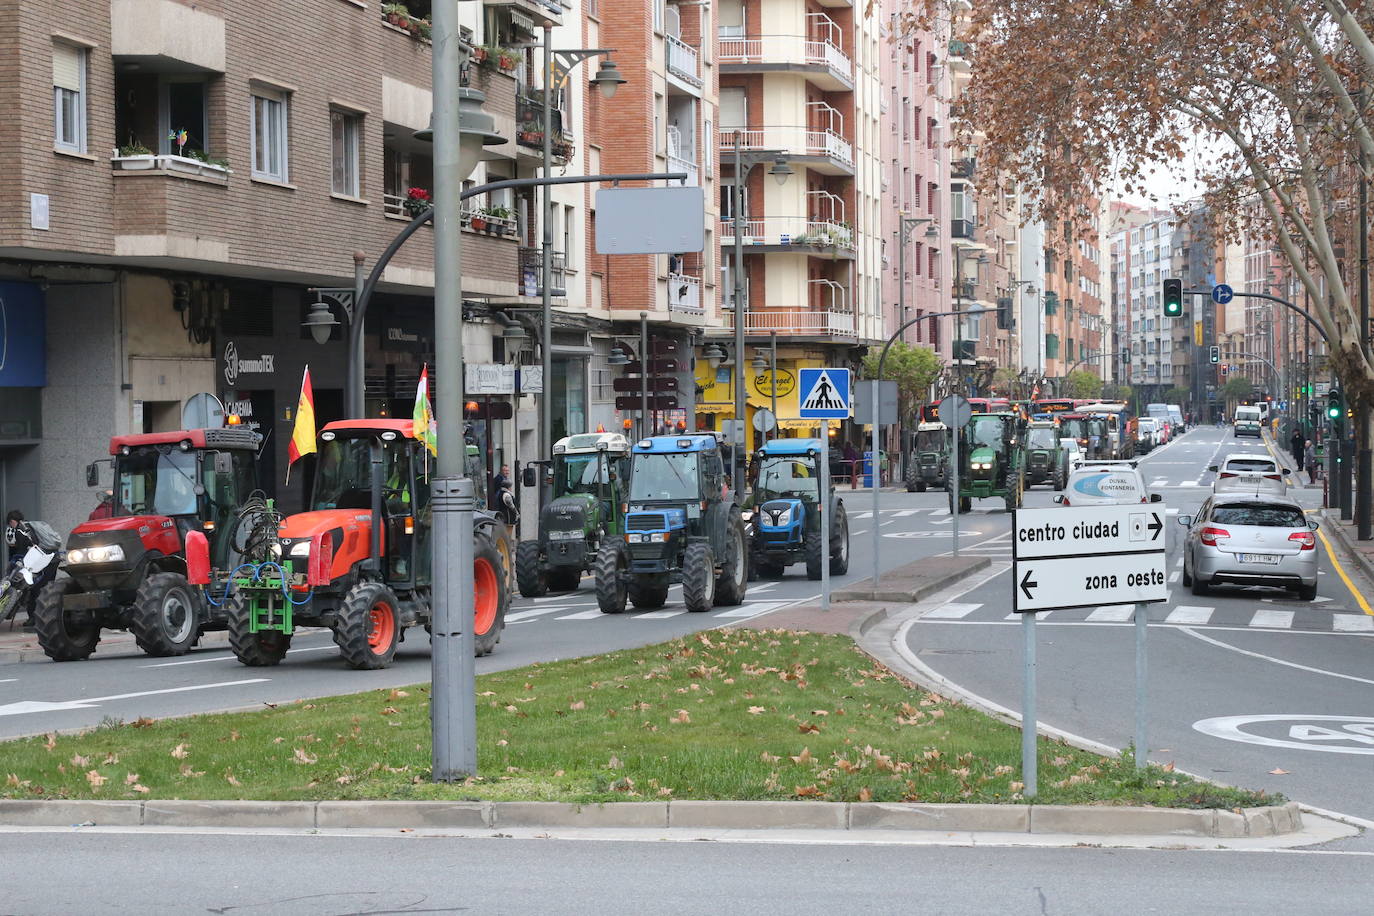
x=303 y=434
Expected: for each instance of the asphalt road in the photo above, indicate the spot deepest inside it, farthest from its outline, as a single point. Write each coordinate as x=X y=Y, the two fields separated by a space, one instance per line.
x=121 y=683
x=1215 y=662
x=63 y=873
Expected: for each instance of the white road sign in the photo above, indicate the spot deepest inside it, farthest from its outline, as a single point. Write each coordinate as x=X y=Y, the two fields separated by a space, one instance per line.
x=1068 y=531
x=1087 y=556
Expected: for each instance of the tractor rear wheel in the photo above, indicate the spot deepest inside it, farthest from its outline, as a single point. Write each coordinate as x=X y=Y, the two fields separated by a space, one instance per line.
x=966 y=504
x=564 y=578
x=733 y=580
x=920 y=486
x=530 y=574
x=368 y=626
x=489 y=596
x=760 y=567
x=648 y=593
x=839 y=544
x=256 y=650
x=61 y=638
x=611 y=570
x=813 y=547
x=698 y=578
x=166 y=616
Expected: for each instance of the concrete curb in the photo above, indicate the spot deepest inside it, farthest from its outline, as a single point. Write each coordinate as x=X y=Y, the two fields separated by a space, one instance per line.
x=910 y=596
x=1083 y=820
x=1333 y=524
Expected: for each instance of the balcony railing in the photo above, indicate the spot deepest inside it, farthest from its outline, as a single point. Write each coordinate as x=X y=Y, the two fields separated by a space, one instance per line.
x=531 y=267
x=797 y=322
x=682 y=60
x=678 y=164
x=773 y=49
x=961 y=228
x=827 y=53
x=788 y=230
x=802 y=141
x=684 y=294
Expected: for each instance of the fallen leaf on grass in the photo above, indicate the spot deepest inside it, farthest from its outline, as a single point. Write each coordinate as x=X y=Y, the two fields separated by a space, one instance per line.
x=804 y=757
x=278 y=740
x=130 y=779
x=502 y=743
x=1276 y=771
x=865 y=794
x=95 y=778
x=819 y=712
x=1016 y=786
x=302 y=757
x=14 y=782
x=614 y=763
x=79 y=761
x=232 y=780
x=1061 y=761
x=397 y=694
x=50 y=740
x=487 y=693
x=682 y=717
x=755 y=710
x=188 y=773
x=140 y=788
x=808 y=728
x=390 y=711
x=142 y=722
x=769 y=758
x=111 y=758
x=577 y=704
x=180 y=752
x=810 y=791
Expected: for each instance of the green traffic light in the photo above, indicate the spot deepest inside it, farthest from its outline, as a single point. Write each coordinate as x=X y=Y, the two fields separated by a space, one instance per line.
x=1173 y=298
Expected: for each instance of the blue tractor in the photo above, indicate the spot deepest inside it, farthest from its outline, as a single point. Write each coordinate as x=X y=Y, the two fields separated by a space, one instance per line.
x=784 y=512
x=682 y=524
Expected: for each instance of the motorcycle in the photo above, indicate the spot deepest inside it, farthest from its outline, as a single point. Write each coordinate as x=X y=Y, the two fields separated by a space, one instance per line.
x=14 y=588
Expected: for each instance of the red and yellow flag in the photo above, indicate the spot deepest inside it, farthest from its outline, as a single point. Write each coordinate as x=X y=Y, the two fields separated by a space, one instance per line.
x=303 y=434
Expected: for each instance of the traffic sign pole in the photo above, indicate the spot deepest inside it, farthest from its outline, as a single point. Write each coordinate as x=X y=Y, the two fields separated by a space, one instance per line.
x=875 y=466
x=825 y=396
x=1030 y=765
x=1142 y=624
x=824 y=509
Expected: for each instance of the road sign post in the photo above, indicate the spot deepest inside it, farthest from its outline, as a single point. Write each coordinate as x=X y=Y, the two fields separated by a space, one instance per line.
x=825 y=396
x=955 y=412
x=1085 y=556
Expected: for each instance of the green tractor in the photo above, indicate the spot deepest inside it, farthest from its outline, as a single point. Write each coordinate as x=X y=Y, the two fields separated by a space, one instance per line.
x=928 y=465
x=1046 y=460
x=992 y=461
x=588 y=473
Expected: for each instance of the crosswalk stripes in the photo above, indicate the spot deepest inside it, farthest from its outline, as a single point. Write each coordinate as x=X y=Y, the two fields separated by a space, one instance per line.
x=1188 y=614
x=1352 y=623
x=1112 y=613
x=1279 y=620
x=953 y=611
x=1267 y=619
x=660 y=615
x=593 y=614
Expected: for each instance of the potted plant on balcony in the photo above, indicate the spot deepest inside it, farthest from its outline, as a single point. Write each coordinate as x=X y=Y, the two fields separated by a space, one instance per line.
x=507 y=59
x=397 y=14
x=489 y=56
x=478 y=221
x=134 y=157
x=500 y=220
x=417 y=201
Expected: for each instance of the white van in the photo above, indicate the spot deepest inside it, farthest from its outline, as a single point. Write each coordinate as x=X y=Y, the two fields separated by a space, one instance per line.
x=1248 y=421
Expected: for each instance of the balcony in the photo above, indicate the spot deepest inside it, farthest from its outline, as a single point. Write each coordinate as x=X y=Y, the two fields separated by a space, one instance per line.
x=529 y=136
x=684 y=294
x=823 y=62
x=826 y=151
x=962 y=168
x=958 y=55
x=682 y=61
x=537 y=9
x=531 y=270
x=962 y=229
x=678 y=164
x=166 y=36
x=163 y=213
x=801 y=323
x=789 y=233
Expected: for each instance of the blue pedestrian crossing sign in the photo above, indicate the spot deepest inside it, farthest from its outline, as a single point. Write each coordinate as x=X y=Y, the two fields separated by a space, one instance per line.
x=825 y=394
x=1222 y=294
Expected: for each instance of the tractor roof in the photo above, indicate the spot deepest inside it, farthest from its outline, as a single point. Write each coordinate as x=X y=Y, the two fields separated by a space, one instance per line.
x=233 y=437
x=671 y=445
x=584 y=443
x=792 y=447
x=405 y=428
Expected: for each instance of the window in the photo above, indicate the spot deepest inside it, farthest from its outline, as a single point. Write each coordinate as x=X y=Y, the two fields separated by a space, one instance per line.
x=269 y=135
x=69 y=97
x=568 y=219
x=346 y=129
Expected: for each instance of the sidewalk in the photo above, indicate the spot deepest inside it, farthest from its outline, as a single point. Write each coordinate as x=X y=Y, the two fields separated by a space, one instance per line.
x=1291 y=461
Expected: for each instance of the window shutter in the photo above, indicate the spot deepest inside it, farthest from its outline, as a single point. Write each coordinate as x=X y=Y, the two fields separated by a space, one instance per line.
x=66 y=67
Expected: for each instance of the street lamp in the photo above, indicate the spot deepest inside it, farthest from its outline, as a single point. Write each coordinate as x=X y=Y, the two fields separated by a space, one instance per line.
x=320 y=322
x=558 y=67
x=780 y=170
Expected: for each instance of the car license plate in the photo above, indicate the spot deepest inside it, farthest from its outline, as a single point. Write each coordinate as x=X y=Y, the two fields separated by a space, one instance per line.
x=1268 y=559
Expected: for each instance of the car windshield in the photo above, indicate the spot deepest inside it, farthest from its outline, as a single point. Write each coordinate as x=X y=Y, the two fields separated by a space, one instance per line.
x=1073 y=429
x=1260 y=516
x=579 y=474
x=930 y=440
x=985 y=432
x=1255 y=465
x=1042 y=438
x=787 y=477
x=655 y=477
x=1247 y=414
x=152 y=482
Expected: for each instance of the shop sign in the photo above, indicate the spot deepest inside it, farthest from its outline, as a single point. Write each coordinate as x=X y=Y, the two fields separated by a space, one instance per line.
x=489 y=378
x=236 y=365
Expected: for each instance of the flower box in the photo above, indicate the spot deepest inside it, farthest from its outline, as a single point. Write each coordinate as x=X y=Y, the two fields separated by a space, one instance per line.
x=135 y=163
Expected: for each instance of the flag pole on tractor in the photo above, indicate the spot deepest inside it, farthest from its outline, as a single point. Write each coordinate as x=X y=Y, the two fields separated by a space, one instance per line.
x=303 y=433
x=423 y=427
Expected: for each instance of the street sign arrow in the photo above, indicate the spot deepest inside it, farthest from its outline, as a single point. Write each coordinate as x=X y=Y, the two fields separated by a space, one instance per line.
x=1027 y=584
x=1156 y=526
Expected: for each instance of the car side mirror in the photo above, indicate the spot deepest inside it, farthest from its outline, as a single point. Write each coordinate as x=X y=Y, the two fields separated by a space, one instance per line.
x=1059 y=498
x=1156 y=498
x=92 y=475
x=1185 y=520
x=529 y=477
x=1212 y=468
x=1285 y=470
x=1315 y=524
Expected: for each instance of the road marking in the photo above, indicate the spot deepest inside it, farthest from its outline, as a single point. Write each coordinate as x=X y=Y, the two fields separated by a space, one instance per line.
x=534 y=612
x=593 y=614
x=1278 y=661
x=1279 y=620
x=228 y=658
x=1114 y=613
x=8 y=680
x=1039 y=616
x=858 y=515
x=952 y=611
x=1357 y=730
x=906 y=513
x=1185 y=614
x=754 y=610
x=29 y=706
x=657 y=615
x=1352 y=623
x=1340 y=570
x=1173 y=577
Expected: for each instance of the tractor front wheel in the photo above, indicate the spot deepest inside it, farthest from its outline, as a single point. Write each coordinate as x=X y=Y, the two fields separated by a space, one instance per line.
x=733 y=580
x=839 y=544
x=368 y=628
x=167 y=615
x=262 y=649
x=611 y=569
x=489 y=598
x=813 y=547
x=61 y=638
x=698 y=578
x=530 y=574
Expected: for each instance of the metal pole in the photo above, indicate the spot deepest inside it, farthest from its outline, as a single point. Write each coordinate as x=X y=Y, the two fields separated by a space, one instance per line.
x=958 y=431
x=737 y=449
x=1364 y=481
x=356 y=354
x=874 y=467
x=773 y=343
x=644 y=428
x=824 y=507
x=545 y=266
x=1142 y=624
x=453 y=708
x=1029 y=763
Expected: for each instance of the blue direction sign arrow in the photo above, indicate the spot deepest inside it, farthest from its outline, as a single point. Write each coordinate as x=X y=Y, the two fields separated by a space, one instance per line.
x=1222 y=294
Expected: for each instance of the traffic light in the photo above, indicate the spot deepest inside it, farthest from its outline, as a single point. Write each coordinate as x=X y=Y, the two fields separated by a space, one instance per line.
x=1173 y=297
x=1335 y=408
x=1215 y=354
x=1004 y=322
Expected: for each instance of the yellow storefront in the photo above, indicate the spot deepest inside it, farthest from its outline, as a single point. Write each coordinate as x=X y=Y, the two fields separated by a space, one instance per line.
x=716 y=401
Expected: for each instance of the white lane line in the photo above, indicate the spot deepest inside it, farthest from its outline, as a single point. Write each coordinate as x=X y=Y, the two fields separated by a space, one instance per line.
x=657 y=615
x=906 y=513
x=1187 y=614
x=939 y=512
x=30 y=706
x=858 y=515
x=1040 y=615
x=952 y=611
x=8 y=680
x=593 y=614
x=1112 y=613
x=1352 y=623
x=538 y=612
x=857 y=531
x=1278 y=620
x=1278 y=661
x=755 y=589
x=753 y=610
x=1173 y=577
x=226 y=658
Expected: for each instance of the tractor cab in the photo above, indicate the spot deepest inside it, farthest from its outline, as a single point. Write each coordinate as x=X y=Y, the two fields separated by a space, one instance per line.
x=788 y=522
x=677 y=486
x=991 y=460
x=929 y=462
x=1045 y=460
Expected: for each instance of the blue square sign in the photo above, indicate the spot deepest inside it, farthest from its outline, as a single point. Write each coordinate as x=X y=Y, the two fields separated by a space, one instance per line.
x=824 y=394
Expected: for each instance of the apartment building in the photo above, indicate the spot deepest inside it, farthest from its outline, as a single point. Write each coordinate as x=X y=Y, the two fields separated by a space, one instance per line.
x=1144 y=257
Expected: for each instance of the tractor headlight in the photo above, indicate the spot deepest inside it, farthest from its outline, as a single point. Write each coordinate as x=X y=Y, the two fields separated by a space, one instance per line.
x=110 y=554
x=982 y=466
x=76 y=556
x=300 y=549
x=784 y=517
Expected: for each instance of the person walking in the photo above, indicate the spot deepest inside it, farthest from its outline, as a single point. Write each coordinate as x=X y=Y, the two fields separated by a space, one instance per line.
x=1295 y=446
x=1309 y=455
x=506 y=508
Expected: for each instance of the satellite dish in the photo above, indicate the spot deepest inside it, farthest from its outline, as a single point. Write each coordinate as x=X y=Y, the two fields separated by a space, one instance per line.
x=202 y=411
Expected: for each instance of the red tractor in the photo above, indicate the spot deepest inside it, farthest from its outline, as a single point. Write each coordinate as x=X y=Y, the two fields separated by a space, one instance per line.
x=359 y=562
x=128 y=572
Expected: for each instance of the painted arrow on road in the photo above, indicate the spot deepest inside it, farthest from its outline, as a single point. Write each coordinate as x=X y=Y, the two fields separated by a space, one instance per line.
x=1156 y=526
x=30 y=706
x=1027 y=584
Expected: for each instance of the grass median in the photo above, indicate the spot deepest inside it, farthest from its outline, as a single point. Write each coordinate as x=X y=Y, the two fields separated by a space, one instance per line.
x=724 y=714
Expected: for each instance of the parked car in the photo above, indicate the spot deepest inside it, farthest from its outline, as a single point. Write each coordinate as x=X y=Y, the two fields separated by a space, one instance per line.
x=1074 y=456
x=1106 y=483
x=1248 y=421
x=1147 y=435
x=1242 y=539
x=1244 y=473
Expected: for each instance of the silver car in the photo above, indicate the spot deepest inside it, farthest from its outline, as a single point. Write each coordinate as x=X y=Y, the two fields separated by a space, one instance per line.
x=1249 y=473
x=1244 y=539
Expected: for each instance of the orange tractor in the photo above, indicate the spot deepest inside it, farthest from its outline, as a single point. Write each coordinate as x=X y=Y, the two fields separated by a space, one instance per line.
x=359 y=562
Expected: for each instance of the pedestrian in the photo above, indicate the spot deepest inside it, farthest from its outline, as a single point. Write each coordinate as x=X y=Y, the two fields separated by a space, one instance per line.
x=20 y=536
x=501 y=478
x=1295 y=446
x=1309 y=454
x=506 y=508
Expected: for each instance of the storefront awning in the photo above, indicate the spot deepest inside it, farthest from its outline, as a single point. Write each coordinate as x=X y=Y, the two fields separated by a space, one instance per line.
x=806 y=424
x=715 y=408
